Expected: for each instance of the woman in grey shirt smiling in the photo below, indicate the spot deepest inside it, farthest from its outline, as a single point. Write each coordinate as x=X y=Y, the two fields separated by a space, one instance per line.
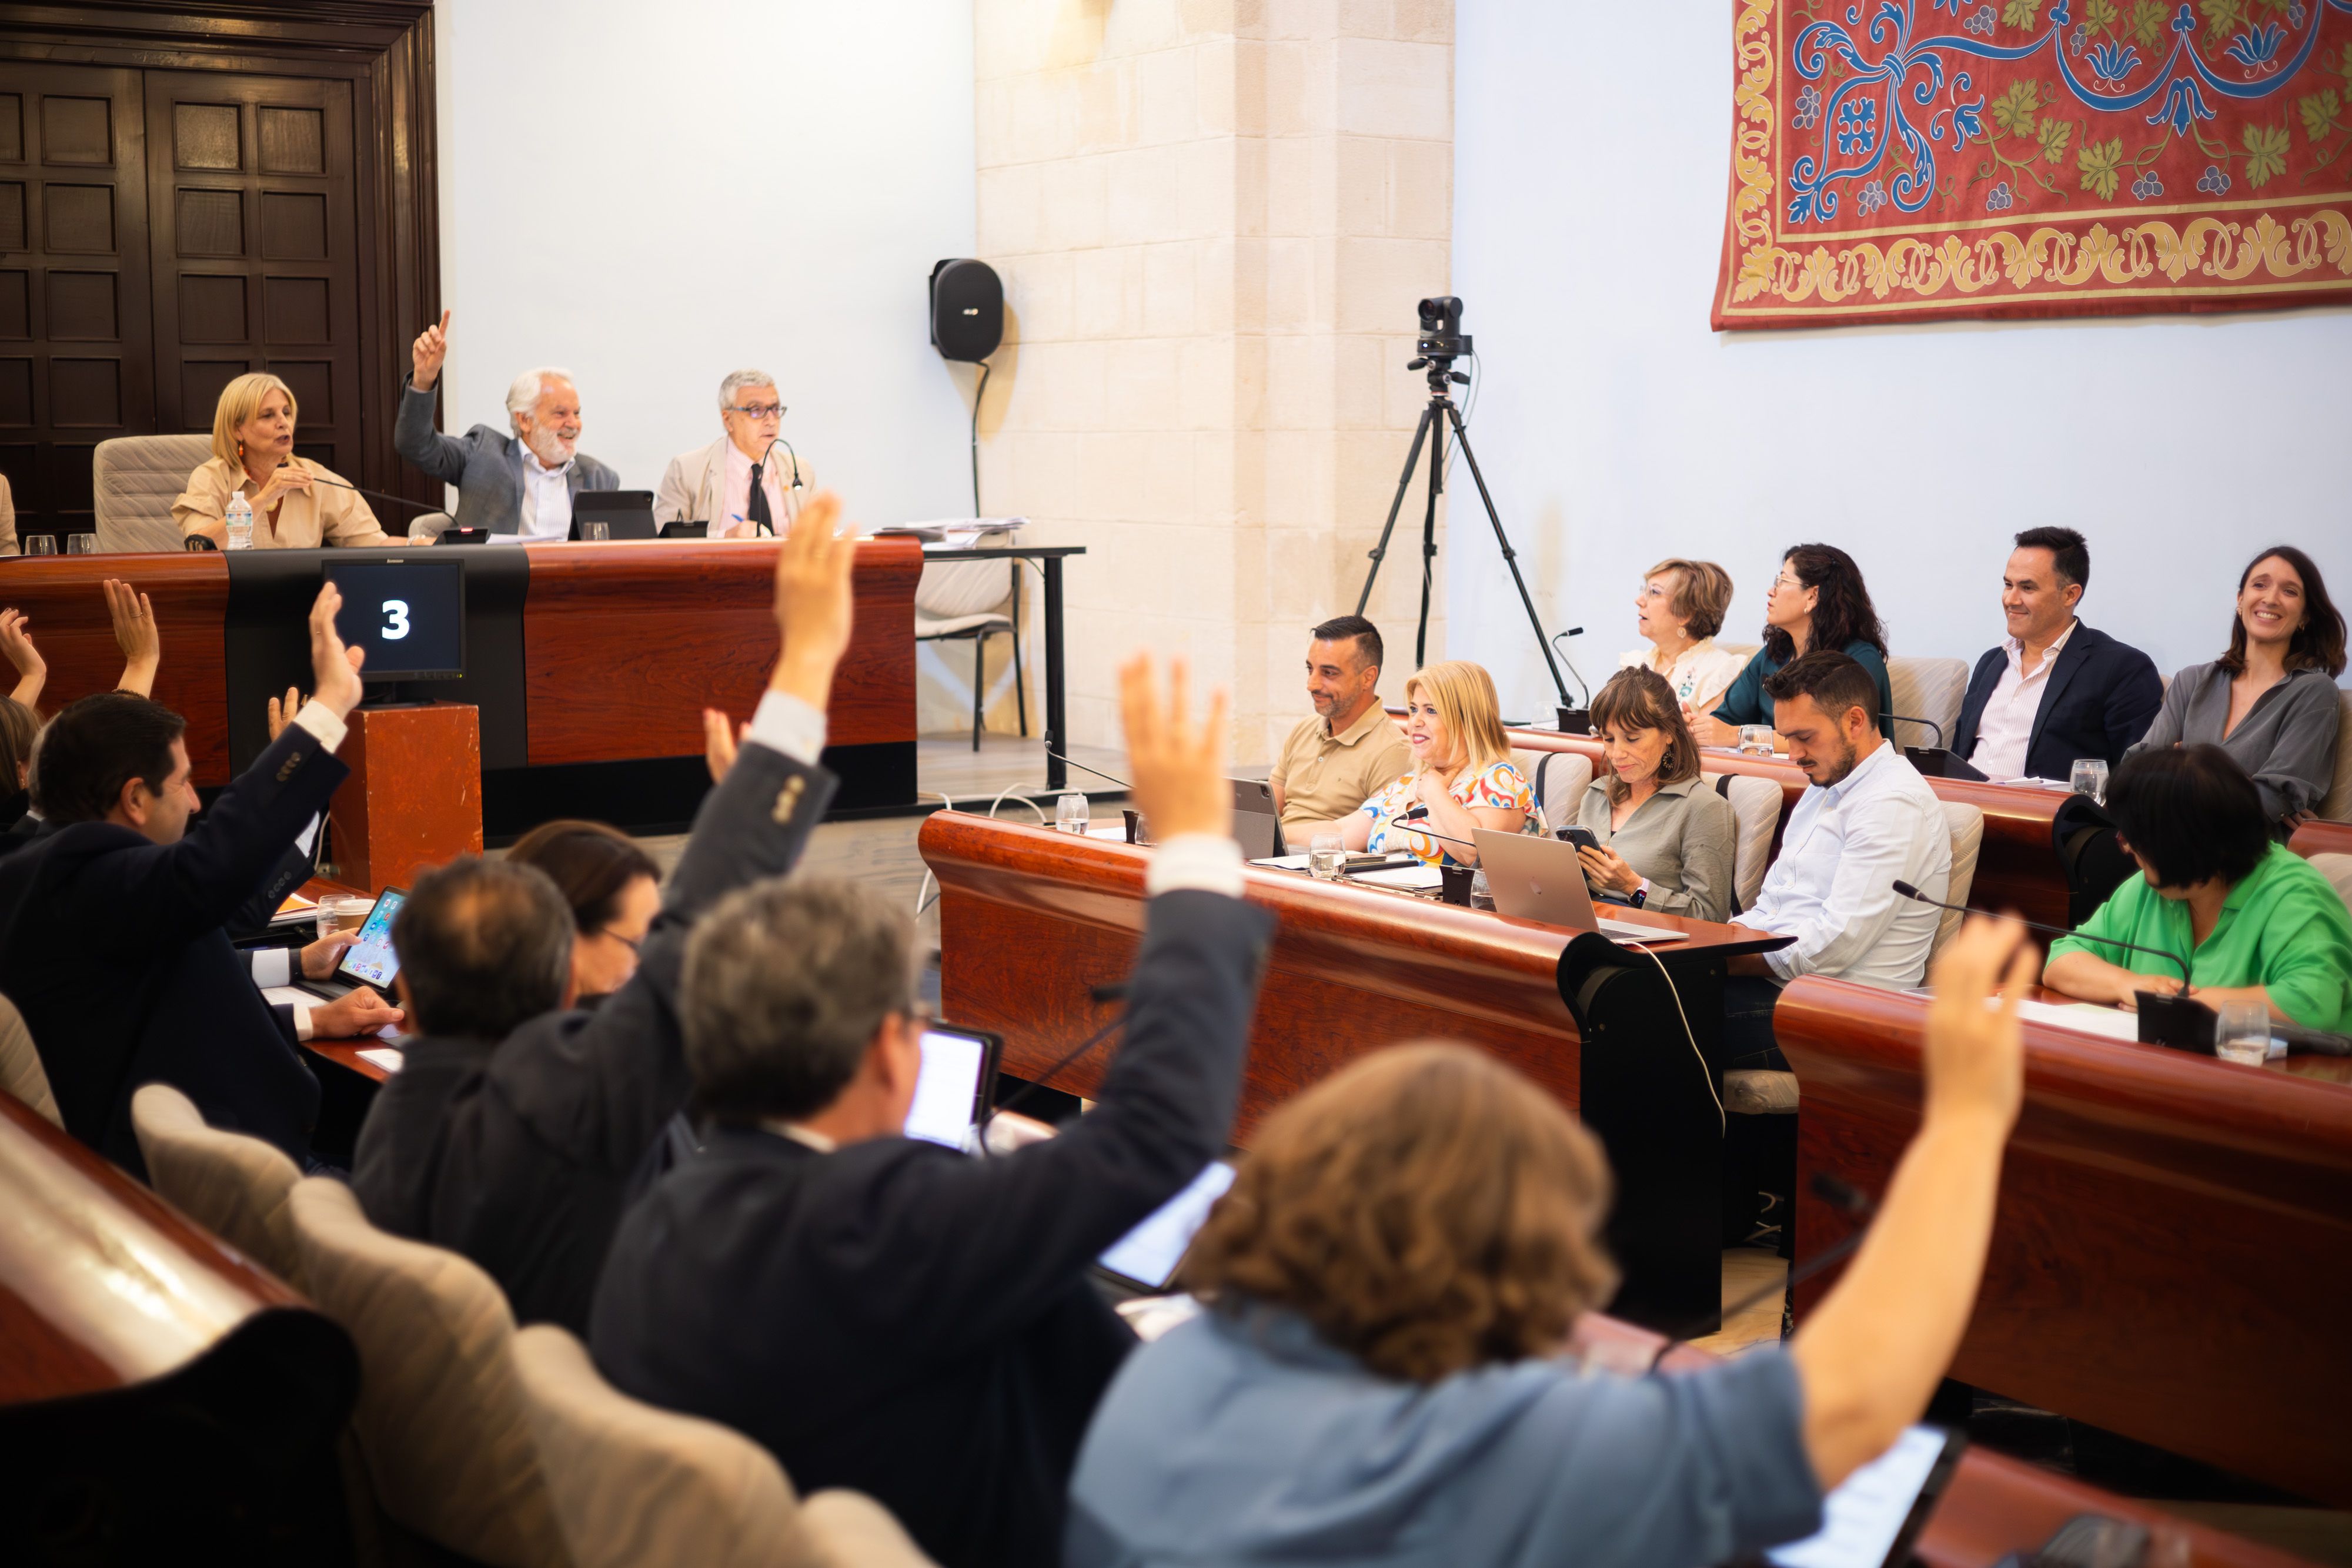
x=1665 y=838
x=2270 y=701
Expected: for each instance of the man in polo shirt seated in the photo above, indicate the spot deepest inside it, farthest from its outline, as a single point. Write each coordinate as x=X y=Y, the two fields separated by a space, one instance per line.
x=1351 y=749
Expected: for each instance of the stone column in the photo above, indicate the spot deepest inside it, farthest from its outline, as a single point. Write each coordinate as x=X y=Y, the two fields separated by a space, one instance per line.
x=1213 y=218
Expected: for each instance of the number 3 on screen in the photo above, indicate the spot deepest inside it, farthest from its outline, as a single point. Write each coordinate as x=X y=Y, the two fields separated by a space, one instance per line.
x=395 y=620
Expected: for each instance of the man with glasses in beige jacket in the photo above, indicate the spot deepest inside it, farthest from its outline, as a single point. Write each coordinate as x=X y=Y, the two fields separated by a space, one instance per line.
x=749 y=481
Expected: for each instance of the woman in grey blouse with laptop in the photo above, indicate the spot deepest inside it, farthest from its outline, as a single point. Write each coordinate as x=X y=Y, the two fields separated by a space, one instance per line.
x=2271 y=702
x=1660 y=838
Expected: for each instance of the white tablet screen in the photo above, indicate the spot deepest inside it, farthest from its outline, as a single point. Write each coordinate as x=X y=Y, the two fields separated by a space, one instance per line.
x=1150 y=1253
x=1862 y=1518
x=946 y=1089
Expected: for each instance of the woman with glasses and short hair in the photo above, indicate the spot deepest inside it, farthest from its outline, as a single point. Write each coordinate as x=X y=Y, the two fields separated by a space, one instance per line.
x=613 y=889
x=1680 y=609
x=746 y=483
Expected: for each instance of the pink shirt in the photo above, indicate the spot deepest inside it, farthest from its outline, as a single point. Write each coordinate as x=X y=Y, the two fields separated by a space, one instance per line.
x=733 y=521
x=2005 y=731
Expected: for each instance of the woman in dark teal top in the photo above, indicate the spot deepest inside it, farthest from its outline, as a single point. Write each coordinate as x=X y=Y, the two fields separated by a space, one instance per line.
x=1819 y=600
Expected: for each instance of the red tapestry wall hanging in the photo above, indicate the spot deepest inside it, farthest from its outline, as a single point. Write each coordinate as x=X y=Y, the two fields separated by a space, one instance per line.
x=1919 y=160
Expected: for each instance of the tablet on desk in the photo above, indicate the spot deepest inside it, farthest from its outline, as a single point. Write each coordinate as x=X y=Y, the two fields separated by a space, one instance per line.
x=952 y=1085
x=1875 y=1513
x=1146 y=1256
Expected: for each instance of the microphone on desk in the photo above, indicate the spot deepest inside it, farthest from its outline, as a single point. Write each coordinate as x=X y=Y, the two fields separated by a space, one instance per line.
x=1574 y=720
x=1421 y=814
x=2177 y=1021
x=375 y=495
x=1935 y=761
x=1084 y=768
x=1841 y=1195
x=1100 y=994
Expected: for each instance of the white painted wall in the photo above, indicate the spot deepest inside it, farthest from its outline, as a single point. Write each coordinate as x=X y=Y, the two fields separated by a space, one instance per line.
x=654 y=195
x=1592 y=148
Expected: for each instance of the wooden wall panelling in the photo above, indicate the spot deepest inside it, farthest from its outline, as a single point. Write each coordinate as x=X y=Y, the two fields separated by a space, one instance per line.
x=75 y=335
x=67 y=613
x=2173 y=1241
x=626 y=643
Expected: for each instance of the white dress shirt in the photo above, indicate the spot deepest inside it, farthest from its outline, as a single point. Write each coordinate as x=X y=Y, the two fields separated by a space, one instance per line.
x=2005 y=728
x=546 y=498
x=734 y=519
x=1833 y=886
x=275 y=965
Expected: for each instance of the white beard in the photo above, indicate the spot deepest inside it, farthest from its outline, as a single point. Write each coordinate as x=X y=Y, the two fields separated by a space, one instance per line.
x=551 y=450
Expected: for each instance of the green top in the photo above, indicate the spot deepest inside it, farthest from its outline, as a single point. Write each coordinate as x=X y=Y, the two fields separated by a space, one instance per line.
x=1744 y=702
x=2283 y=928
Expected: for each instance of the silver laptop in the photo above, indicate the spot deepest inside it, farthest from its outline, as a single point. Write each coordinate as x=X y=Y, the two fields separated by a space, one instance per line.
x=1541 y=879
x=1256 y=824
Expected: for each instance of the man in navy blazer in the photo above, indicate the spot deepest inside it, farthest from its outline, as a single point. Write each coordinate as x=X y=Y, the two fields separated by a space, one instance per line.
x=2055 y=691
x=113 y=939
x=892 y=1315
x=519 y=482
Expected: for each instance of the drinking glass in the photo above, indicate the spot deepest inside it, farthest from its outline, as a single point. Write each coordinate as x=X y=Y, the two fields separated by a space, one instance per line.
x=596 y=533
x=2242 y=1031
x=40 y=544
x=1756 y=739
x=1070 y=814
x=339 y=912
x=81 y=544
x=1327 y=856
x=2089 y=776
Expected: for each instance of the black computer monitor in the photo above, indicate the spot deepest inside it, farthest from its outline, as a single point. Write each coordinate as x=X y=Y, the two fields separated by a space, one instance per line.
x=410 y=616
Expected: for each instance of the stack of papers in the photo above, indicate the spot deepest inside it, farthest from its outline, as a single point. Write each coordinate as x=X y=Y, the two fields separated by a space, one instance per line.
x=296 y=907
x=389 y=1059
x=2084 y=1017
x=1418 y=877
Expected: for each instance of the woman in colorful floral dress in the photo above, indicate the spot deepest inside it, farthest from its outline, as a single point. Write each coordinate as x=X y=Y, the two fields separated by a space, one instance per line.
x=1463 y=773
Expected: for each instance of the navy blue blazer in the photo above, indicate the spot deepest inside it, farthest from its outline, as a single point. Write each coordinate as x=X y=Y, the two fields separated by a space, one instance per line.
x=916 y=1323
x=2100 y=698
x=116 y=949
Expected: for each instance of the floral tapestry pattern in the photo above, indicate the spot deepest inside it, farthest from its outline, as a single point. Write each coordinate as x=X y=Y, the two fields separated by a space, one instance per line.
x=1920 y=160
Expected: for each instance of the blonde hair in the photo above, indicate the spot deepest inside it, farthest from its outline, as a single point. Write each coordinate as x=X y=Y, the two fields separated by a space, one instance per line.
x=1427 y=1208
x=240 y=401
x=1464 y=695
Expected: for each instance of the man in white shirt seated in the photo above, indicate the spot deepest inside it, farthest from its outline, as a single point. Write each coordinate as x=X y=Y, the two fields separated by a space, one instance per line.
x=747 y=482
x=1868 y=822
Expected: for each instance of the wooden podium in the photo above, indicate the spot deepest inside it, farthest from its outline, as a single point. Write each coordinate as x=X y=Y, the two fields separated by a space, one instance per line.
x=414 y=796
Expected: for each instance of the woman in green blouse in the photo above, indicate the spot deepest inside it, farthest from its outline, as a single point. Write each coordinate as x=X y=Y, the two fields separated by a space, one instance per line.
x=2252 y=918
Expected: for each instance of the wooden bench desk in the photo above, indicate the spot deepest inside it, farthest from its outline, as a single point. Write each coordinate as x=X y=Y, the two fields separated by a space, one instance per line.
x=2174 y=1241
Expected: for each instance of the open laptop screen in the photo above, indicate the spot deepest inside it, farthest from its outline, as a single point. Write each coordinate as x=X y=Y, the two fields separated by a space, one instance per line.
x=951 y=1088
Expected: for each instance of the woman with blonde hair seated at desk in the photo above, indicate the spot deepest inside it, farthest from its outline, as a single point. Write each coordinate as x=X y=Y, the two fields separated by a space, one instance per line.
x=297 y=504
x=1463 y=777
x=1666 y=839
x=2250 y=918
x=1385 y=1372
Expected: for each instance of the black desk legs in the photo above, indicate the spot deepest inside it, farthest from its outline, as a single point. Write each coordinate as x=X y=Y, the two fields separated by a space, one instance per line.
x=1058 y=735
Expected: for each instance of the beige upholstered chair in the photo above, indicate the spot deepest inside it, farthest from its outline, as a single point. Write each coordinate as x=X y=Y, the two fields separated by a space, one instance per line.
x=21 y=1073
x=1754 y=814
x=440 y=1417
x=1926 y=688
x=956 y=600
x=2337 y=806
x=638 y=1487
x=135 y=480
x=1967 y=823
x=233 y=1186
x=1558 y=779
x=2338 y=870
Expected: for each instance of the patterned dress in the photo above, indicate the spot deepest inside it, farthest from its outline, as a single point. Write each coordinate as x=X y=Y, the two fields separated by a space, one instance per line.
x=1496 y=784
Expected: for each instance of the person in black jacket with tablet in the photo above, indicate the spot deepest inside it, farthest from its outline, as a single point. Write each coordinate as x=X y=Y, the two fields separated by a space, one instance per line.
x=888 y=1314
x=518 y=1126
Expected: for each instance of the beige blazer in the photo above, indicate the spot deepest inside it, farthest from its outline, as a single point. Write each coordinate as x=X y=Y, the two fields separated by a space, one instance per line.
x=324 y=514
x=694 y=486
x=7 y=518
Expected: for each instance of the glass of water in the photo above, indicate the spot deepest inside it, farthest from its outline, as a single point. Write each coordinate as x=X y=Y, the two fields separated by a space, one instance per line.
x=1756 y=739
x=1070 y=814
x=596 y=533
x=1327 y=856
x=40 y=544
x=81 y=544
x=2242 y=1031
x=2089 y=776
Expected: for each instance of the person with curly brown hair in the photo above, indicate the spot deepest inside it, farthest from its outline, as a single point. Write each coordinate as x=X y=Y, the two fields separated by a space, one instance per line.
x=1381 y=1374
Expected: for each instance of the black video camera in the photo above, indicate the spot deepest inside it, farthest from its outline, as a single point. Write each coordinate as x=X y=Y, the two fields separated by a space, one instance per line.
x=1441 y=338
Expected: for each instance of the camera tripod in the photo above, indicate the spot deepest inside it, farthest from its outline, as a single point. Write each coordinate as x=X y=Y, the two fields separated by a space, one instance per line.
x=1431 y=433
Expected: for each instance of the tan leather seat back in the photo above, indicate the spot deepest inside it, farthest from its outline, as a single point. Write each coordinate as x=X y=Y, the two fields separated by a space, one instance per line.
x=236 y=1186
x=21 y=1073
x=134 y=479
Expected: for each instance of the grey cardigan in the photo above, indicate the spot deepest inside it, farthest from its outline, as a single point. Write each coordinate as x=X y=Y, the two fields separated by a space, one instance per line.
x=2287 y=741
x=1680 y=838
x=486 y=464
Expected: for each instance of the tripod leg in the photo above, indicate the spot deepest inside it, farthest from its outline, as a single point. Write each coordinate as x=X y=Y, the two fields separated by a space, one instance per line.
x=1510 y=556
x=1404 y=483
x=1429 y=535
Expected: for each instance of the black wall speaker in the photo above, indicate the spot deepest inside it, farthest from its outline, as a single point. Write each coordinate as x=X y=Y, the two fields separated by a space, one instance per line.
x=967 y=309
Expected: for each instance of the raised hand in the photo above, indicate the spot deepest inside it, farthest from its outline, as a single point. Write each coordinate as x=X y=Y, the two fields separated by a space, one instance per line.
x=136 y=634
x=1177 y=766
x=16 y=642
x=432 y=346
x=334 y=669
x=281 y=712
x=720 y=740
x=813 y=610
x=1975 y=1050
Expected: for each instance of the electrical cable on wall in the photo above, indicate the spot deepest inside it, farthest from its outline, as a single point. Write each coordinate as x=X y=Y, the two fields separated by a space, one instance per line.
x=980 y=393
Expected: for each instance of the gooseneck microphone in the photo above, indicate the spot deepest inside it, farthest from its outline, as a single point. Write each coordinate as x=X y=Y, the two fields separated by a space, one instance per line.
x=375 y=495
x=1084 y=768
x=1931 y=724
x=1909 y=892
x=1421 y=814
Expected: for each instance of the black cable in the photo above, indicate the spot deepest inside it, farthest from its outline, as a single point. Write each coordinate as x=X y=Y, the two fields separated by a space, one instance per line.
x=981 y=393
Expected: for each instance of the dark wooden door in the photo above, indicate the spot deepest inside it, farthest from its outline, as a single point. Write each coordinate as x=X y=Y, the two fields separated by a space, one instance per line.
x=256 y=249
x=75 y=323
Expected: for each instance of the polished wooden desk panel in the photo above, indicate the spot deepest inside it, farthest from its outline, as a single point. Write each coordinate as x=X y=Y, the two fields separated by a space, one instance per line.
x=626 y=643
x=2174 y=1241
x=1031 y=920
x=2316 y=838
x=2016 y=868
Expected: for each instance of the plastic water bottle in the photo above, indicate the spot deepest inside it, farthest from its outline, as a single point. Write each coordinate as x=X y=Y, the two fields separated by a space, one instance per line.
x=240 y=522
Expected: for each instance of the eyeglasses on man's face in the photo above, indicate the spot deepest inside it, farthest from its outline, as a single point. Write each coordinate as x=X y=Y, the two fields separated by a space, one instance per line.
x=757 y=409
